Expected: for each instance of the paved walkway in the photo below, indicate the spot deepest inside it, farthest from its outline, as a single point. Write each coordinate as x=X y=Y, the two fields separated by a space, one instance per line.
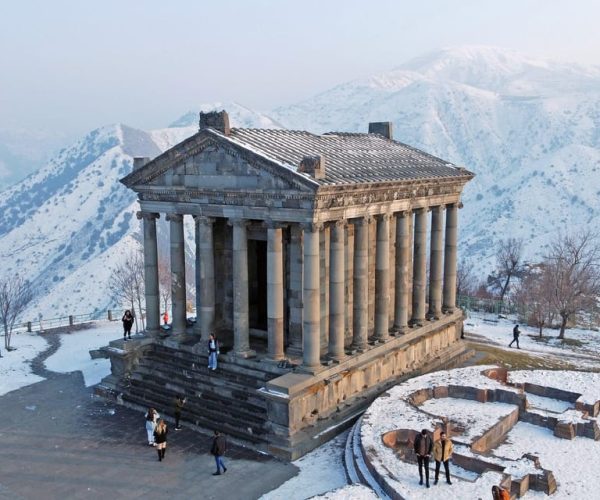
x=60 y=441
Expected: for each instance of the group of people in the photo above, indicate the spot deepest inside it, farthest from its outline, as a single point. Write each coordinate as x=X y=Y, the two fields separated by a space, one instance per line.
x=442 y=450
x=157 y=430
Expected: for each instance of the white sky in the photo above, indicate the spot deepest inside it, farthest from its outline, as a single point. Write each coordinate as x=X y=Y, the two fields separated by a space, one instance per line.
x=72 y=65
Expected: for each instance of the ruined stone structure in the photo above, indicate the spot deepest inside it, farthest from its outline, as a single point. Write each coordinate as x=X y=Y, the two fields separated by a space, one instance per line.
x=334 y=252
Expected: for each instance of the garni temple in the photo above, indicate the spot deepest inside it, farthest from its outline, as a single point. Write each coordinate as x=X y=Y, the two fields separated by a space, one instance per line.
x=325 y=265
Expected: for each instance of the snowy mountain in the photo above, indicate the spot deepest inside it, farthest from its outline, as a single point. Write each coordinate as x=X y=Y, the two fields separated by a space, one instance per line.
x=529 y=129
x=67 y=225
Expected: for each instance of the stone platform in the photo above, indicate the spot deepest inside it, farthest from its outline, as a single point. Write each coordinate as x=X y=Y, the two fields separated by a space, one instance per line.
x=285 y=412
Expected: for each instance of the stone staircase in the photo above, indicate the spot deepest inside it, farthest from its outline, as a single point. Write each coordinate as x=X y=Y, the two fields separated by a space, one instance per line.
x=226 y=399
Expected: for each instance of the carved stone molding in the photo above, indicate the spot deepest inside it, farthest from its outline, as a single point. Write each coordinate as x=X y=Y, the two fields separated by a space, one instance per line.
x=312 y=227
x=204 y=220
x=147 y=215
x=174 y=217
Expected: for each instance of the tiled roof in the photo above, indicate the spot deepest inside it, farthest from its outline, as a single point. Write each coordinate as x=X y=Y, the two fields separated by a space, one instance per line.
x=349 y=158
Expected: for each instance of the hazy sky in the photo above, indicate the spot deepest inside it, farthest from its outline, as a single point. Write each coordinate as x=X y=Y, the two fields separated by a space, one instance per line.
x=71 y=66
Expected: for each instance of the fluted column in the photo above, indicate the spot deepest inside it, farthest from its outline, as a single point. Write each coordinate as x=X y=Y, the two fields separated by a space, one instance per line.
x=401 y=297
x=205 y=277
x=275 y=291
x=178 y=292
x=241 y=324
x=361 y=283
x=382 y=277
x=436 y=263
x=450 y=258
x=151 y=283
x=311 y=322
x=419 y=267
x=336 y=290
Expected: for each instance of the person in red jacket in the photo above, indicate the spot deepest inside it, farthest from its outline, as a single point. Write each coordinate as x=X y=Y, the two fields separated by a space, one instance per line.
x=166 y=318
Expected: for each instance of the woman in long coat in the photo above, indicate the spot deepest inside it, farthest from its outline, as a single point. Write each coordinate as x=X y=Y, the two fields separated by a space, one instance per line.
x=160 y=438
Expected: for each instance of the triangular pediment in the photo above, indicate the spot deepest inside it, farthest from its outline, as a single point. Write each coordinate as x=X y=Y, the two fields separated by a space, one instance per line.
x=210 y=162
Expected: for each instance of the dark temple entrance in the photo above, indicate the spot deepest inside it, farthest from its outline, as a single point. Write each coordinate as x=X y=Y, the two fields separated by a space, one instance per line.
x=257 y=284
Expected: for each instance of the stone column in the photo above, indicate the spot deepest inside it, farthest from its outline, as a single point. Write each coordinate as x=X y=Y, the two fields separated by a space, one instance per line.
x=241 y=322
x=450 y=258
x=361 y=283
x=419 y=267
x=336 y=290
x=382 y=278
x=205 y=277
x=178 y=292
x=311 y=323
x=151 y=272
x=436 y=264
x=401 y=298
x=295 y=290
x=275 y=291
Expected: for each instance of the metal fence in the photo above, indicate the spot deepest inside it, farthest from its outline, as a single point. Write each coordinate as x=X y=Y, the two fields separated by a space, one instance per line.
x=43 y=324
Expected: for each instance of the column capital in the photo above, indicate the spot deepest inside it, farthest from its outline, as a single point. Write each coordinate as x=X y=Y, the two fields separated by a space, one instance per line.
x=437 y=208
x=147 y=215
x=174 y=217
x=361 y=221
x=311 y=227
x=383 y=217
x=236 y=222
x=275 y=224
x=338 y=223
x=204 y=220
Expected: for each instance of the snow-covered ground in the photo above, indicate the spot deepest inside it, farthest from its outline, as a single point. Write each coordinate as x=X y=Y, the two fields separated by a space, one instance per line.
x=74 y=354
x=15 y=368
x=350 y=492
x=321 y=471
x=498 y=331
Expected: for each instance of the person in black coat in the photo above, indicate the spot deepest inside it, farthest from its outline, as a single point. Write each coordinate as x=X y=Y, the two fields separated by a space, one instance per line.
x=423 y=446
x=160 y=438
x=127 y=320
x=516 y=333
x=218 y=449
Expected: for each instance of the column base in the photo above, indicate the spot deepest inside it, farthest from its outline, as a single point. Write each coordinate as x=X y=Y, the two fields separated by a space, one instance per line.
x=245 y=354
x=417 y=323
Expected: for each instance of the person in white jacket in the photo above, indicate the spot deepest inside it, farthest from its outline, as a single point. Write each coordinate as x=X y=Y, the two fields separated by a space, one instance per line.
x=152 y=417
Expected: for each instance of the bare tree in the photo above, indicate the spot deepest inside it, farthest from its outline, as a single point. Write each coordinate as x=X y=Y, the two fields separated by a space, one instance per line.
x=164 y=281
x=534 y=293
x=15 y=295
x=127 y=283
x=466 y=283
x=573 y=267
x=508 y=262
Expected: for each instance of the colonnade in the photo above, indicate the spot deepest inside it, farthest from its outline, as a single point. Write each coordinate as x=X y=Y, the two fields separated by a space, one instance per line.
x=411 y=230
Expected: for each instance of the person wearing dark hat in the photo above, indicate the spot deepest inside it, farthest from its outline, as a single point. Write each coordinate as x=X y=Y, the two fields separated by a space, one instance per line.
x=423 y=446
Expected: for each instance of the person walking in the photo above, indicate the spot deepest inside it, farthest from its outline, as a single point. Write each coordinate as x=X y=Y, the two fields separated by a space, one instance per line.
x=213 y=352
x=152 y=417
x=218 y=449
x=423 y=447
x=516 y=333
x=160 y=438
x=179 y=402
x=127 y=320
x=442 y=452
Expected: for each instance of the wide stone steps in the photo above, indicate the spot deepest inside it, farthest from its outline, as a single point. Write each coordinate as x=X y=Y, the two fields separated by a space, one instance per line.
x=225 y=399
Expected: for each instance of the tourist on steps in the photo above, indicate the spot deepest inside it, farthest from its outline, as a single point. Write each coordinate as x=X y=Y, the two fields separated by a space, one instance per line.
x=423 y=447
x=442 y=452
x=179 y=402
x=516 y=333
x=218 y=449
x=151 y=418
x=213 y=352
x=160 y=438
x=127 y=320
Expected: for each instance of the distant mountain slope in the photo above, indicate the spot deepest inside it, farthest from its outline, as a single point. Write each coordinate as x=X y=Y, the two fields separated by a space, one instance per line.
x=67 y=225
x=529 y=129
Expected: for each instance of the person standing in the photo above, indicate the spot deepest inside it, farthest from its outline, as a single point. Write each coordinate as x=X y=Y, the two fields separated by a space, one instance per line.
x=127 y=320
x=151 y=419
x=166 y=318
x=179 y=402
x=218 y=449
x=160 y=438
x=423 y=447
x=516 y=333
x=499 y=493
x=442 y=452
x=213 y=352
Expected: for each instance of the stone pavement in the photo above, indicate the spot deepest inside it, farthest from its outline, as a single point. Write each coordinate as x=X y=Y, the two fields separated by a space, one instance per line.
x=60 y=441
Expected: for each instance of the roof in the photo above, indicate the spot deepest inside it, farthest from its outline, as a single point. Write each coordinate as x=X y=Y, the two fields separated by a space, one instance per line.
x=349 y=158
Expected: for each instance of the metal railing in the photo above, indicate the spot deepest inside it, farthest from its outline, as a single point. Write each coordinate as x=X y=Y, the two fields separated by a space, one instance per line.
x=43 y=324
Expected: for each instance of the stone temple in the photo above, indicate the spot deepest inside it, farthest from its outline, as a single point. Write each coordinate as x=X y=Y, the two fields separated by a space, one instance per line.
x=325 y=264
